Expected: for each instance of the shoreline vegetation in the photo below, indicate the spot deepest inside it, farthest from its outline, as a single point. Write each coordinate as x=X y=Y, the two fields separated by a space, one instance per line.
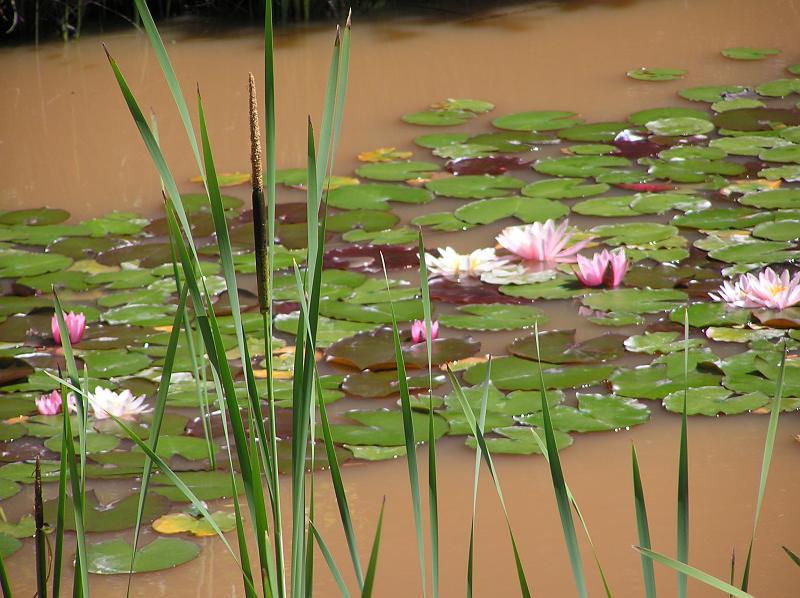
x=34 y=21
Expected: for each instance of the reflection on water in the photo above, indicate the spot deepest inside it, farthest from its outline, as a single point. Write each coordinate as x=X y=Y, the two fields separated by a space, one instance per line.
x=68 y=141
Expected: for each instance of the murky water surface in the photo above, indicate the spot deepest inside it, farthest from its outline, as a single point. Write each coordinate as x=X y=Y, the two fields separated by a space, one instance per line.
x=66 y=140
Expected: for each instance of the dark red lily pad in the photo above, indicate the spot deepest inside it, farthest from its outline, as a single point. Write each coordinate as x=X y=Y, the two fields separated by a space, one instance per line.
x=469 y=292
x=787 y=318
x=374 y=350
x=26 y=448
x=658 y=276
x=636 y=149
x=367 y=258
x=375 y=385
x=486 y=165
x=13 y=369
x=149 y=255
x=646 y=187
x=560 y=346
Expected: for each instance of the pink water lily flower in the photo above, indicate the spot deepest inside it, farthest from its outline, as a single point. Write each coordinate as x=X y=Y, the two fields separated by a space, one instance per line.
x=418 y=331
x=76 y=325
x=50 y=404
x=766 y=289
x=593 y=272
x=541 y=242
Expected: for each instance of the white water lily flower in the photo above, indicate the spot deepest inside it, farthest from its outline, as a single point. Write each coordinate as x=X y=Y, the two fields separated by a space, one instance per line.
x=454 y=265
x=123 y=405
x=517 y=274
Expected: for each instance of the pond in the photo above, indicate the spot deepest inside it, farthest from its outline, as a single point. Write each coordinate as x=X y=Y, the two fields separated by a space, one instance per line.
x=70 y=144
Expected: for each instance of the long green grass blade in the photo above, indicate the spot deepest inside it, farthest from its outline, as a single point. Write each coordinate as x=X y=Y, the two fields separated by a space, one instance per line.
x=769 y=445
x=487 y=457
x=559 y=486
x=693 y=572
x=642 y=527
x=39 y=539
x=334 y=569
x=683 y=470
x=408 y=432
x=369 y=580
x=5 y=586
x=58 y=554
x=791 y=555
x=169 y=75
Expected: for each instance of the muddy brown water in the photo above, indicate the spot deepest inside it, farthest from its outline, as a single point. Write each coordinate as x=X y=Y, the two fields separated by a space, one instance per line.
x=66 y=140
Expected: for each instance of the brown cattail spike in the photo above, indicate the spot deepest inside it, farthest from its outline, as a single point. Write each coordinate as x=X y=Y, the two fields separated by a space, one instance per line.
x=256 y=161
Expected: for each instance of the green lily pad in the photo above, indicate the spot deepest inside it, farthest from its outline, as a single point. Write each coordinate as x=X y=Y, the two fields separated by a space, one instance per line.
x=8 y=545
x=383 y=428
x=438 y=118
x=527 y=210
x=746 y=53
x=510 y=142
x=658 y=203
x=7 y=490
x=443 y=221
x=721 y=218
x=561 y=287
x=396 y=171
x=198 y=202
x=329 y=330
x=779 y=88
x=114 y=556
x=195 y=523
x=634 y=233
x=580 y=166
x=679 y=126
x=18 y=264
x=206 y=485
x=755 y=252
x=774 y=199
x=613 y=206
x=787 y=173
x=118 y=515
x=474 y=186
x=656 y=74
x=654 y=381
x=398 y=236
x=435 y=140
x=659 y=342
x=711 y=314
x=592 y=149
x=380 y=313
x=560 y=346
x=563 y=188
x=748 y=145
x=780 y=230
x=95 y=443
x=596 y=132
x=635 y=301
x=493 y=317
x=595 y=413
x=374 y=196
x=376 y=453
x=710 y=93
x=518 y=440
x=34 y=217
x=736 y=104
x=24 y=528
x=514 y=373
x=114 y=362
x=713 y=401
x=643 y=117
x=141 y=315
x=456 y=151
x=542 y=120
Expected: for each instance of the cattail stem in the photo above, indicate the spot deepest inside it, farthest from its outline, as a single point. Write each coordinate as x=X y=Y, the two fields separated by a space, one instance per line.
x=260 y=235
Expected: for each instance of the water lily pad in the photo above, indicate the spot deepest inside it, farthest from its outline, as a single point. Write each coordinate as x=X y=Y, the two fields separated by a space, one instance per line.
x=374 y=196
x=493 y=317
x=34 y=217
x=396 y=171
x=580 y=166
x=711 y=93
x=17 y=264
x=197 y=525
x=748 y=145
x=747 y=53
x=755 y=252
x=654 y=114
x=438 y=118
x=779 y=88
x=711 y=314
x=714 y=400
x=443 y=221
x=376 y=453
x=654 y=381
x=517 y=440
x=7 y=490
x=542 y=120
x=373 y=385
x=680 y=126
x=114 y=556
x=206 y=485
x=458 y=151
x=563 y=188
x=781 y=230
x=95 y=443
x=595 y=413
x=475 y=186
x=736 y=104
x=380 y=313
x=561 y=287
x=375 y=350
x=658 y=203
x=114 y=362
x=398 y=236
x=635 y=301
x=525 y=209
x=659 y=342
x=613 y=206
x=721 y=218
x=787 y=173
x=435 y=140
x=328 y=330
x=596 y=132
x=765 y=120
x=634 y=233
x=141 y=315
x=383 y=428
x=115 y=516
x=591 y=149
x=8 y=545
x=514 y=373
x=561 y=346
x=656 y=74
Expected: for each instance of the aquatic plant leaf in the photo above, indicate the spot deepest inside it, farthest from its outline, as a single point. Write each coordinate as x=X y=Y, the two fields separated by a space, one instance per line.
x=755 y=252
x=8 y=545
x=434 y=140
x=24 y=528
x=206 y=485
x=527 y=210
x=595 y=413
x=374 y=350
x=512 y=141
x=519 y=402
x=493 y=317
x=721 y=218
x=654 y=381
x=373 y=385
x=367 y=258
x=33 y=217
x=114 y=362
x=95 y=443
x=658 y=203
x=712 y=314
x=756 y=119
x=659 y=342
x=560 y=346
x=474 y=186
x=741 y=335
x=469 y=292
x=635 y=301
x=634 y=233
x=114 y=556
x=7 y=490
x=115 y=516
x=15 y=263
x=643 y=117
x=747 y=53
x=713 y=401
x=617 y=319
x=542 y=120
x=383 y=428
x=198 y=202
x=443 y=221
x=785 y=153
x=736 y=104
x=563 y=188
x=141 y=315
x=691 y=171
x=457 y=151
x=514 y=373
x=594 y=132
x=379 y=313
x=747 y=145
x=591 y=149
x=779 y=88
x=711 y=93
x=396 y=171
x=438 y=118
x=396 y=236
x=781 y=230
x=376 y=453
x=384 y=154
x=656 y=74
x=787 y=173
x=494 y=165
x=679 y=126
x=329 y=330
x=516 y=440
x=561 y=287
x=186 y=522
x=612 y=206
x=374 y=196
x=580 y=166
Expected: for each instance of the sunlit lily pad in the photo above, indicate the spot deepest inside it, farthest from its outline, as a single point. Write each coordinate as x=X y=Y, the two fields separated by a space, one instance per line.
x=525 y=209
x=613 y=206
x=658 y=203
x=435 y=140
x=475 y=186
x=755 y=252
x=635 y=301
x=17 y=264
x=655 y=114
x=563 y=188
x=374 y=196
x=748 y=145
x=654 y=382
x=118 y=515
x=714 y=400
x=580 y=166
x=493 y=317
x=513 y=373
x=780 y=230
x=396 y=171
x=114 y=556
x=595 y=413
x=543 y=120
x=634 y=233
x=659 y=342
x=656 y=74
x=195 y=524
x=711 y=93
x=779 y=88
x=34 y=217
x=379 y=313
x=595 y=132
x=736 y=104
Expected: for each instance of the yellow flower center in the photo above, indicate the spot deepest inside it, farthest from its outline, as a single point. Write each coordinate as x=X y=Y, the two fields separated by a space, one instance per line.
x=776 y=289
